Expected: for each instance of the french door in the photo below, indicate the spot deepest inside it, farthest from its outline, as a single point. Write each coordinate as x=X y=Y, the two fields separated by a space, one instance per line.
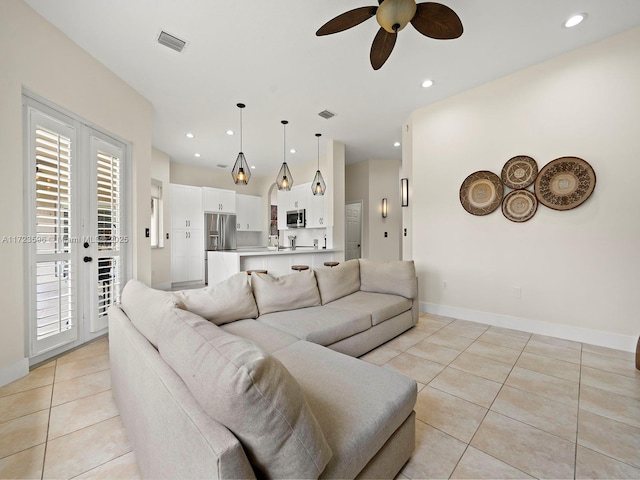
x=76 y=237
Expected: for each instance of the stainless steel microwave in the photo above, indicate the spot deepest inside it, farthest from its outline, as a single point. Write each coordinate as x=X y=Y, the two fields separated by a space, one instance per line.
x=296 y=218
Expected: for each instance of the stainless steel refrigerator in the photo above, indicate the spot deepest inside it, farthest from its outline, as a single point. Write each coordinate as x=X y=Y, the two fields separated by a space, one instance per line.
x=219 y=234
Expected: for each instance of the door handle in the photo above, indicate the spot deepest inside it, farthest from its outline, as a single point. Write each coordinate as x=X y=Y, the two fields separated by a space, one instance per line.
x=86 y=245
x=87 y=259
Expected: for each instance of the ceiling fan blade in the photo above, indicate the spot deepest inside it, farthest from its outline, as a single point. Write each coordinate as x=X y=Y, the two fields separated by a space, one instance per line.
x=382 y=47
x=437 y=21
x=347 y=20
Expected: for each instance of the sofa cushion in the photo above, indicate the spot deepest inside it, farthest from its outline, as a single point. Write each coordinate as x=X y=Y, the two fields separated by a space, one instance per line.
x=398 y=277
x=250 y=392
x=224 y=302
x=268 y=338
x=381 y=306
x=322 y=325
x=147 y=308
x=288 y=292
x=336 y=282
x=358 y=405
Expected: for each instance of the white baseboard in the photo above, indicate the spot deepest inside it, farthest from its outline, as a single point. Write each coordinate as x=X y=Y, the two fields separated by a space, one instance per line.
x=13 y=372
x=567 y=332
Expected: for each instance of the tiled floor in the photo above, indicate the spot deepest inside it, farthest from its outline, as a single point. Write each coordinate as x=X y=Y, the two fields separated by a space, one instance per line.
x=492 y=403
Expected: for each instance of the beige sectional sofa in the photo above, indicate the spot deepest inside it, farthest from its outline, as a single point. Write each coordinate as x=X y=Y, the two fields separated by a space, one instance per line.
x=252 y=379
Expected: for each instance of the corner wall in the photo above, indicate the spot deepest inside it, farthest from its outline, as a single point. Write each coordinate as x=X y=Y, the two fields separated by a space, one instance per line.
x=30 y=47
x=577 y=270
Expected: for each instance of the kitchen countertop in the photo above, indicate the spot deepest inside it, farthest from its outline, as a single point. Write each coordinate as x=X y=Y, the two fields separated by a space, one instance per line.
x=258 y=251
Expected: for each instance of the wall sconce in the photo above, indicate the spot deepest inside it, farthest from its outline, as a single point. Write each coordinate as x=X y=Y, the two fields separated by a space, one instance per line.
x=404 y=192
x=385 y=208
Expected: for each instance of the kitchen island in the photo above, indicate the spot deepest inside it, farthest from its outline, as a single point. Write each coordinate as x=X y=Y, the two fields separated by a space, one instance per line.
x=223 y=264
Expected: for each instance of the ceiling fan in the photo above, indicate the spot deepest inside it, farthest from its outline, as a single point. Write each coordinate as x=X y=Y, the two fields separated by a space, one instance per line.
x=431 y=19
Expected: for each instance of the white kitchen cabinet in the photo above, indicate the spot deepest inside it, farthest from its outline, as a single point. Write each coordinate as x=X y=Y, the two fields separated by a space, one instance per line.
x=217 y=200
x=186 y=207
x=316 y=213
x=187 y=234
x=250 y=212
x=187 y=255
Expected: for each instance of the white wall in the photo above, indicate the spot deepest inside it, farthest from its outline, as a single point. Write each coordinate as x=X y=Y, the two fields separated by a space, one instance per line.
x=371 y=181
x=30 y=47
x=161 y=257
x=577 y=269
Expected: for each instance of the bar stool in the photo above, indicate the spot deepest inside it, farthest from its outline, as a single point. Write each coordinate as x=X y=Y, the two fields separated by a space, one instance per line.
x=249 y=272
x=299 y=268
x=331 y=264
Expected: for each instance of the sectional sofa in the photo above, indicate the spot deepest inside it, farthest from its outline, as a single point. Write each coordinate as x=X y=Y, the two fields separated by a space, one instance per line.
x=254 y=378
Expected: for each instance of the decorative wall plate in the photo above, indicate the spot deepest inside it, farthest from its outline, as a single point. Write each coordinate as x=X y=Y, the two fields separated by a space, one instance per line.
x=519 y=172
x=481 y=193
x=565 y=183
x=519 y=205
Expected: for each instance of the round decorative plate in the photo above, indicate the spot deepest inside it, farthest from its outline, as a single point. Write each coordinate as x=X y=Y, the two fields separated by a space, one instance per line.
x=565 y=183
x=519 y=205
x=481 y=192
x=519 y=172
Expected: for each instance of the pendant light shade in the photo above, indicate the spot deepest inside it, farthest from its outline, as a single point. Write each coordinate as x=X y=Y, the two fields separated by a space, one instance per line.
x=241 y=172
x=284 y=180
x=318 y=187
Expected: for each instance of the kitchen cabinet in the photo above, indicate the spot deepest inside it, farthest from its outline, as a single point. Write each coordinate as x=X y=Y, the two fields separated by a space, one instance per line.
x=250 y=212
x=186 y=206
x=316 y=214
x=187 y=234
x=301 y=197
x=217 y=200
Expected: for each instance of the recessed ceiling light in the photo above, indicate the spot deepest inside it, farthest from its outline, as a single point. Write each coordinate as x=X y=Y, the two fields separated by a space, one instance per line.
x=197 y=155
x=427 y=83
x=293 y=150
x=230 y=132
x=397 y=144
x=189 y=135
x=575 y=20
x=253 y=167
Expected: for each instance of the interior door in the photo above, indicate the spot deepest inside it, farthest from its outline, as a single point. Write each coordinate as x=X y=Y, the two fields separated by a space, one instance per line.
x=353 y=215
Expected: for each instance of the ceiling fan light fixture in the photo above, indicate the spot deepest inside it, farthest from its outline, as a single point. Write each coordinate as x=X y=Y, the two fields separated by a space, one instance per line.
x=394 y=15
x=241 y=173
x=318 y=186
x=284 y=180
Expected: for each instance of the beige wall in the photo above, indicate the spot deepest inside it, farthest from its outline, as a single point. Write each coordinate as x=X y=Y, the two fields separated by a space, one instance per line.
x=30 y=48
x=371 y=181
x=161 y=257
x=578 y=269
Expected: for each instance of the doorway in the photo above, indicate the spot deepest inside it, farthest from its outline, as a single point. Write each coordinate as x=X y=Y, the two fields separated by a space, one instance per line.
x=353 y=217
x=75 y=230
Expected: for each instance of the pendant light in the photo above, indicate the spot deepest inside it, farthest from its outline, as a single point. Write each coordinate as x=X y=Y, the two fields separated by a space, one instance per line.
x=241 y=172
x=318 y=187
x=284 y=180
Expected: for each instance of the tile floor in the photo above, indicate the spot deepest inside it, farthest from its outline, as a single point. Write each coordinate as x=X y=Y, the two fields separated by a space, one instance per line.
x=492 y=403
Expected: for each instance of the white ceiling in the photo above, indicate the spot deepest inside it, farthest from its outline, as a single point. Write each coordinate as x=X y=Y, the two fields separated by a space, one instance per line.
x=266 y=55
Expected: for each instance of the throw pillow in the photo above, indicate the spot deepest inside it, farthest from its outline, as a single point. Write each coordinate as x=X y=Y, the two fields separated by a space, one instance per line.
x=339 y=281
x=146 y=308
x=398 y=278
x=251 y=393
x=288 y=292
x=221 y=303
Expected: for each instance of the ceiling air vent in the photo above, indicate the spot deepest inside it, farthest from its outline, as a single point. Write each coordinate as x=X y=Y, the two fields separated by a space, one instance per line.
x=220 y=165
x=170 y=41
x=326 y=114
